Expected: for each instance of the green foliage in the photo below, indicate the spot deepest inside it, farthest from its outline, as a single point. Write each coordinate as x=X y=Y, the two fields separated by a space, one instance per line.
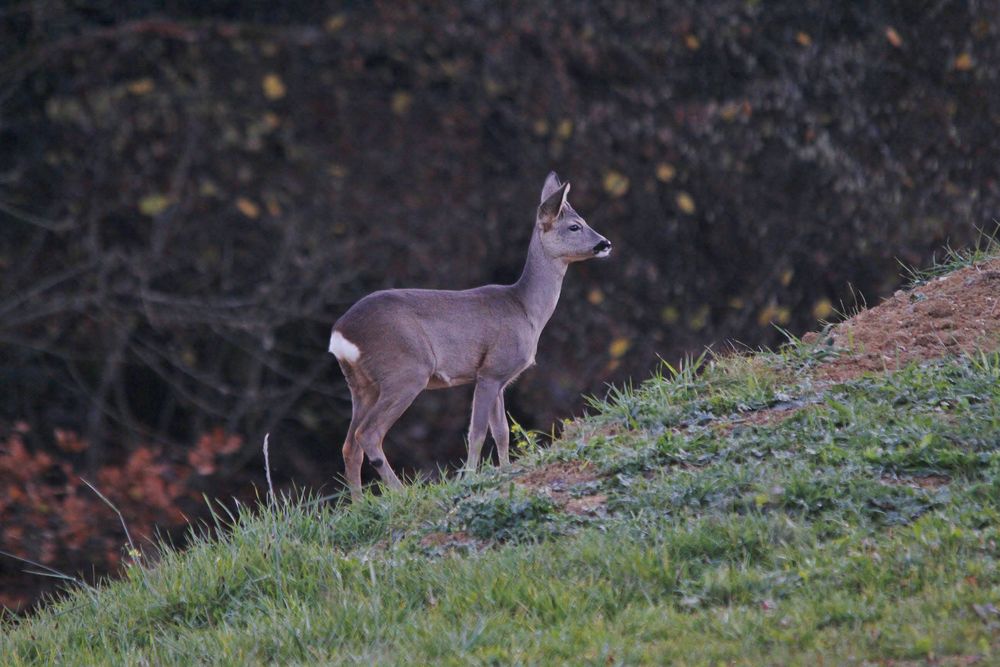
x=191 y=192
x=505 y=514
x=858 y=522
x=984 y=246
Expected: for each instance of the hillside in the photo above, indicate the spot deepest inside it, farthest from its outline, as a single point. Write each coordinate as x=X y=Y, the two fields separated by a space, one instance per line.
x=838 y=499
x=193 y=191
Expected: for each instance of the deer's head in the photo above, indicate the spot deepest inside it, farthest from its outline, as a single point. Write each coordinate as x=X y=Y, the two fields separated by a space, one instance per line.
x=563 y=233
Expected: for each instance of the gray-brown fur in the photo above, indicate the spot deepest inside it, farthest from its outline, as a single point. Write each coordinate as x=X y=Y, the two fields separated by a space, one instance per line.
x=410 y=340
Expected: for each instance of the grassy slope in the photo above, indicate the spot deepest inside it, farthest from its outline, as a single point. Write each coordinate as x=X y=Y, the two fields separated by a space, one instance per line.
x=717 y=536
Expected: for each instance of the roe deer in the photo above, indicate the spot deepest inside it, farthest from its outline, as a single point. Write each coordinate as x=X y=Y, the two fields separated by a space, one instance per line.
x=393 y=344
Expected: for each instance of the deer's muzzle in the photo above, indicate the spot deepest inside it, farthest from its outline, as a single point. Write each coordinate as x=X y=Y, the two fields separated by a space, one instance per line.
x=603 y=249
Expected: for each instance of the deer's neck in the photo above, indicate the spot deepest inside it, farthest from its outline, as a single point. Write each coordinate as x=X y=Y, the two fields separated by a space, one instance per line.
x=540 y=283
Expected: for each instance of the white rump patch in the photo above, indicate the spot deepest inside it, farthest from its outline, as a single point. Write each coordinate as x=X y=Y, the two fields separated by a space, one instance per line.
x=343 y=349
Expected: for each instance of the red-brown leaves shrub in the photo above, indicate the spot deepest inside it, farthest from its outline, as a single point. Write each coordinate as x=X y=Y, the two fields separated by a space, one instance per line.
x=48 y=515
x=210 y=446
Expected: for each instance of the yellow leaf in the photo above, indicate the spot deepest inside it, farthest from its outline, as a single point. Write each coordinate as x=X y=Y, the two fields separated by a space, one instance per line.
x=141 y=86
x=803 y=38
x=595 y=297
x=963 y=63
x=615 y=183
x=208 y=188
x=786 y=277
x=247 y=207
x=685 y=203
x=736 y=303
x=154 y=204
x=274 y=87
x=670 y=314
x=565 y=129
x=766 y=316
x=493 y=87
x=335 y=23
x=893 y=37
x=665 y=172
x=692 y=42
x=540 y=127
x=773 y=313
x=823 y=309
x=401 y=102
x=699 y=318
x=619 y=346
x=453 y=68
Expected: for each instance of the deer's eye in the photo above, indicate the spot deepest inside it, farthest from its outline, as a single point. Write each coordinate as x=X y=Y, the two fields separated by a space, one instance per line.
x=574 y=227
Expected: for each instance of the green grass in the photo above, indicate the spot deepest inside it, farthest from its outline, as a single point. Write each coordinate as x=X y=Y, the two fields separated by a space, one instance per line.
x=986 y=246
x=862 y=525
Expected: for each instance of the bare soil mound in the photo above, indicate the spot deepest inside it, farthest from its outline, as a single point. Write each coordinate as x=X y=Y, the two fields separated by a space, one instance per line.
x=958 y=312
x=564 y=484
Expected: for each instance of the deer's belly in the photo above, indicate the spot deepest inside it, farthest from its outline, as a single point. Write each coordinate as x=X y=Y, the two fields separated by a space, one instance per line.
x=440 y=380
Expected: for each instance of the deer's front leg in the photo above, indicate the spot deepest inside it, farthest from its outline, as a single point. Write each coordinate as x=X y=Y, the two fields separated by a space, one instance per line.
x=483 y=401
x=501 y=431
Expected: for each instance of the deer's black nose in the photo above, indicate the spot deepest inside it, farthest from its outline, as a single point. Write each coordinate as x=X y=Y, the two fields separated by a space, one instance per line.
x=602 y=246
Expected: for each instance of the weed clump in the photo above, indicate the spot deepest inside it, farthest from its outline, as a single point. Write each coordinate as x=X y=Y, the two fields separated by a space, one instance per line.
x=507 y=515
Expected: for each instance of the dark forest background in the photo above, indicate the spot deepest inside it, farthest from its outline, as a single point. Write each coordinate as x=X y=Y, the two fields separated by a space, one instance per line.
x=192 y=192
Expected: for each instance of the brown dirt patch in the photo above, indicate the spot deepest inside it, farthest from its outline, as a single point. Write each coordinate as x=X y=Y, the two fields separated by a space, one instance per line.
x=559 y=474
x=557 y=481
x=769 y=416
x=446 y=541
x=944 y=661
x=581 y=429
x=951 y=314
x=772 y=416
x=586 y=505
x=921 y=481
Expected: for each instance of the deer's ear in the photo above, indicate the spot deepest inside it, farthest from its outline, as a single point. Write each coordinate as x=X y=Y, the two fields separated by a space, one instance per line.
x=552 y=206
x=552 y=184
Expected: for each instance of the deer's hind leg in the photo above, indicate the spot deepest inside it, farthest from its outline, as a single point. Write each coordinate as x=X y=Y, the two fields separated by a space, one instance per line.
x=353 y=454
x=395 y=394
